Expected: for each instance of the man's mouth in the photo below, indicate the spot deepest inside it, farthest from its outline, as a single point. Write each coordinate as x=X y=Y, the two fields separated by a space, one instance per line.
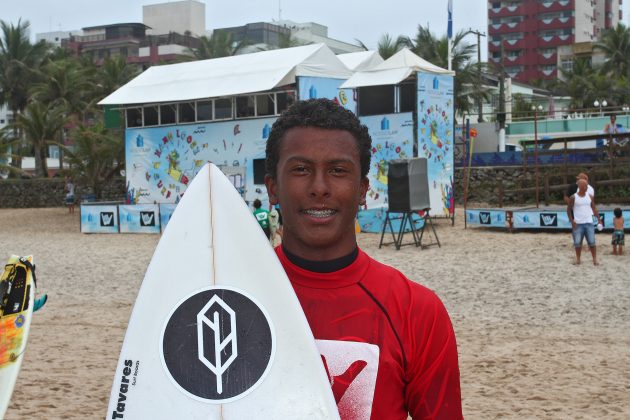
x=319 y=213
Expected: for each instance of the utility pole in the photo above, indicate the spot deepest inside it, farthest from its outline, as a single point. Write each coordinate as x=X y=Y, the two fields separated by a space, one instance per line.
x=501 y=114
x=479 y=102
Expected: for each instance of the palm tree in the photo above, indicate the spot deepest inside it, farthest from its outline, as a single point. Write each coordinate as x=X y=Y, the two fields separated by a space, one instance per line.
x=63 y=83
x=219 y=44
x=114 y=73
x=579 y=83
x=8 y=143
x=468 y=83
x=40 y=125
x=97 y=155
x=387 y=46
x=18 y=59
x=615 y=43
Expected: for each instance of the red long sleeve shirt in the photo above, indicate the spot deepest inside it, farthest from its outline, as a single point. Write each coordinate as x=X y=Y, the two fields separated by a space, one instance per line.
x=387 y=343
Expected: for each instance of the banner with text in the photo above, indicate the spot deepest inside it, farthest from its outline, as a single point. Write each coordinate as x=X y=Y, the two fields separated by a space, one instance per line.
x=161 y=161
x=436 y=138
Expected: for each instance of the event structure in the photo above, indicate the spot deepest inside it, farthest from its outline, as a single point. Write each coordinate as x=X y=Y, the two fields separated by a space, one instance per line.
x=180 y=116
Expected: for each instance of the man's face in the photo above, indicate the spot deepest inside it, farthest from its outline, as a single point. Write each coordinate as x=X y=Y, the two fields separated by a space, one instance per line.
x=319 y=188
x=582 y=186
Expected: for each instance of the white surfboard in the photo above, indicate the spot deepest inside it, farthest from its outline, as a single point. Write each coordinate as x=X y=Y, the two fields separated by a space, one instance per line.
x=15 y=320
x=217 y=331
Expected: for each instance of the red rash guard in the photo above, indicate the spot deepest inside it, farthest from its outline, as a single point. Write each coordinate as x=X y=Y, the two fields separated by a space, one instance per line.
x=387 y=343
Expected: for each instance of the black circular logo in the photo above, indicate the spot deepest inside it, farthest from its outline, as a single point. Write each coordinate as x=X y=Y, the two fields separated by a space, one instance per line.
x=218 y=344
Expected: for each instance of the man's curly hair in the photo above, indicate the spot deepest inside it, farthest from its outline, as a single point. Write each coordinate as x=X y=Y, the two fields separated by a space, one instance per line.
x=321 y=113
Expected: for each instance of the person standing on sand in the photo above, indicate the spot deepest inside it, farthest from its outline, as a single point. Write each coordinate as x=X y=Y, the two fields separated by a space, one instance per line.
x=69 y=188
x=618 y=234
x=386 y=342
x=580 y=210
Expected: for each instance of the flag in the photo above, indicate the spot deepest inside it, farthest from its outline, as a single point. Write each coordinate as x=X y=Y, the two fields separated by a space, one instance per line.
x=450 y=19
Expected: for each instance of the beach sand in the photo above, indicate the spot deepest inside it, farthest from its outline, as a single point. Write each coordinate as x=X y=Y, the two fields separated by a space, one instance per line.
x=537 y=336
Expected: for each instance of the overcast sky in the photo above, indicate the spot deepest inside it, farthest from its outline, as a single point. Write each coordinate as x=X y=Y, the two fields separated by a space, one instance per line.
x=347 y=20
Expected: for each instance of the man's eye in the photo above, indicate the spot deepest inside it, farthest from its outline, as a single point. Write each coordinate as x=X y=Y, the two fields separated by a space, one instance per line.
x=339 y=170
x=299 y=169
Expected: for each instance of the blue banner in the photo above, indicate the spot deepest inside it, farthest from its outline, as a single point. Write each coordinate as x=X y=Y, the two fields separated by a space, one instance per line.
x=162 y=161
x=321 y=87
x=97 y=218
x=139 y=218
x=490 y=218
x=392 y=138
x=372 y=221
x=166 y=211
x=436 y=138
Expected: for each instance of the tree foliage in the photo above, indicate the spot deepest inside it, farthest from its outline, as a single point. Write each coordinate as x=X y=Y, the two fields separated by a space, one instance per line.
x=40 y=124
x=96 y=156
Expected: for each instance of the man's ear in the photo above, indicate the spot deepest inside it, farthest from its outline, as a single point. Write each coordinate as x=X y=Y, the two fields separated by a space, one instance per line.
x=272 y=189
x=363 y=189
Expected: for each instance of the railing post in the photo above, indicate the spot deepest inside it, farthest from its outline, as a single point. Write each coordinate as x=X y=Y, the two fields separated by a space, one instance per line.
x=546 y=189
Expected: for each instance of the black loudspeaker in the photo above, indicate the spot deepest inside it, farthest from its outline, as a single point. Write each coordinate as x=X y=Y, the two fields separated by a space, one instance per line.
x=408 y=185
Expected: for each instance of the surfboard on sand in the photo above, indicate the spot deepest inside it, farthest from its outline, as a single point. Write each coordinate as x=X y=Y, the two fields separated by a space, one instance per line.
x=17 y=291
x=217 y=331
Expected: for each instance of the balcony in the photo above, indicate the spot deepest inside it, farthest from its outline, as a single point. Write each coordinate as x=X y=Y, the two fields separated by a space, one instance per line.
x=506 y=11
x=558 y=23
x=555 y=6
x=555 y=41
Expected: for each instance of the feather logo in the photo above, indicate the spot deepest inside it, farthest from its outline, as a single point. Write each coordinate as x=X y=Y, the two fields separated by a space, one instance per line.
x=216 y=337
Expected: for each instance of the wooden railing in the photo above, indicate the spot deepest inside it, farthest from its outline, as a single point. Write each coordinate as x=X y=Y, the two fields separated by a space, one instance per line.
x=610 y=170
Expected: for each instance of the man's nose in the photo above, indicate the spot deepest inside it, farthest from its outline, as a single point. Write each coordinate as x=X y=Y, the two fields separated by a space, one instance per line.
x=320 y=186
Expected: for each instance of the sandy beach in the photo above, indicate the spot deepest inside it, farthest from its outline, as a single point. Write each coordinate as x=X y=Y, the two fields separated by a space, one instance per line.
x=537 y=336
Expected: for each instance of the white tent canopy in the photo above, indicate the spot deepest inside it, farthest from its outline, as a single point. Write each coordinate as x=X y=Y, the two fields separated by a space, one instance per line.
x=227 y=76
x=361 y=61
x=393 y=71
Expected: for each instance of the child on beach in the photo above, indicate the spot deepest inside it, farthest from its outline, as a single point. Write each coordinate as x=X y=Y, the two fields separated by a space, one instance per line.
x=618 y=234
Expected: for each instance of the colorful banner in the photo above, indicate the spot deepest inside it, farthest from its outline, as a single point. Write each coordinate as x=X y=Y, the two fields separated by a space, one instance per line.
x=99 y=218
x=139 y=218
x=436 y=138
x=161 y=161
x=166 y=211
x=392 y=138
x=372 y=221
x=321 y=87
x=494 y=218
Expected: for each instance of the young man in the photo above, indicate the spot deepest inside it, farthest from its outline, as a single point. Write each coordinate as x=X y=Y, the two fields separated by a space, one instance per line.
x=580 y=210
x=387 y=343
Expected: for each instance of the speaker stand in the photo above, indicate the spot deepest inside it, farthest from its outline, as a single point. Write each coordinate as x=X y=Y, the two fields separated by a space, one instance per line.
x=397 y=239
x=429 y=220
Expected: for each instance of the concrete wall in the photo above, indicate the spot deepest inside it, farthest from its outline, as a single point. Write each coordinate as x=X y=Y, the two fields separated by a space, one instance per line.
x=178 y=16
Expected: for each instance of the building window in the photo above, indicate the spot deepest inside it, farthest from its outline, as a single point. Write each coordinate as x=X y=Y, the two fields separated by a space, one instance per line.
x=408 y=95
x=265 y=105
x=167 y=114
x=245 y=106
x=186 y=112
x=204 y=110
x=134 y=117
x=376 y=100
x=222 y=108
x=284 y=100
x=151 y=115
